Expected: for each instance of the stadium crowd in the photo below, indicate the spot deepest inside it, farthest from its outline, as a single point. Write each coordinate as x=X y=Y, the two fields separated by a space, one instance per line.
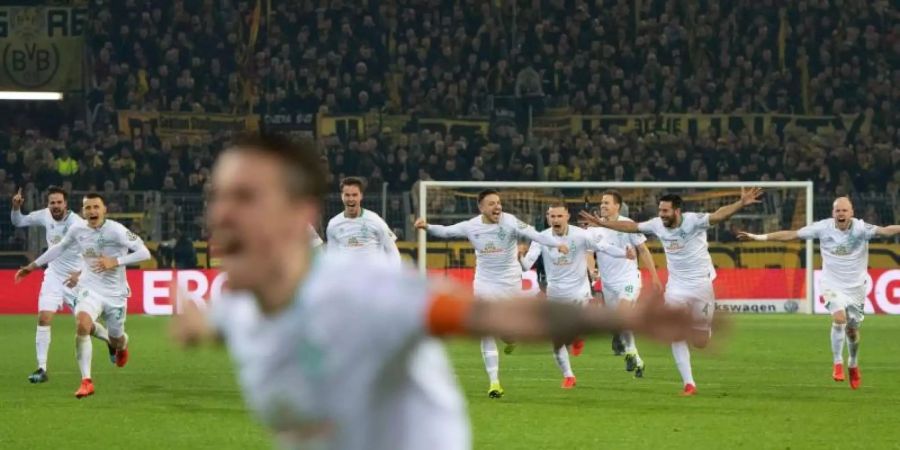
x=450 y=58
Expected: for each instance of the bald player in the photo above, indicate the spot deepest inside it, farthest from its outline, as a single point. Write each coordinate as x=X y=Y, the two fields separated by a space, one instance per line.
x=844 y=243
x=389 y=386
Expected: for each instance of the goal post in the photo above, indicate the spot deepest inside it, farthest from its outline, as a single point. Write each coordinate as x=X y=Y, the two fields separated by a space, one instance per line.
x=752 y=276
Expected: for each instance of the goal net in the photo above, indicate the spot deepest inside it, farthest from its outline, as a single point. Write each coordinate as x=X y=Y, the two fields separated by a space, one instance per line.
x=751 y=276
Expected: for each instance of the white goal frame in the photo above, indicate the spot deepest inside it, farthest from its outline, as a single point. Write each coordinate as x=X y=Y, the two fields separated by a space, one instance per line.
x=422 y=236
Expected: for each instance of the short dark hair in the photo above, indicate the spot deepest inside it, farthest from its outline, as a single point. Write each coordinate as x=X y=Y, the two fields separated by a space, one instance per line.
x=558 y=204
x=57 y=190
x=617 y=197
x=93 y=195
x=486 y=192
x=353 y=181
x=674 y=199
x=304 y=174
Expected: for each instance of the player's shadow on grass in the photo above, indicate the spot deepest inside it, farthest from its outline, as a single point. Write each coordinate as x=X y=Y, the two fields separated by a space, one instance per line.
x=193 y=399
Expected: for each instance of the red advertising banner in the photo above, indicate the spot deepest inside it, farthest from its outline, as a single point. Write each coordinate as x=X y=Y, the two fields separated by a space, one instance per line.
x=150 y=288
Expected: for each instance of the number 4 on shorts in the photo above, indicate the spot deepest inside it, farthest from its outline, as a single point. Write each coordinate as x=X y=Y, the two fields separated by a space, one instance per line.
x=706 y=310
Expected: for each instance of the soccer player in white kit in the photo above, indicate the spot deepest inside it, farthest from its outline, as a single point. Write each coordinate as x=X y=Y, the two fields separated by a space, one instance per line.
x=844 y=243
x=621 y=278
x=358 y=230
x=389 y=386
x=498 y=274
x=567 y=275
x=102 y=288
x=56 y=219
x=691 y=271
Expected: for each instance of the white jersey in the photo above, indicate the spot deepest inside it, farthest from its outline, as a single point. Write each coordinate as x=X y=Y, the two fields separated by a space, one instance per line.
x=314 y=240
x=70 y=261
x=687 y=253
x=366 y=234
x=496 y=250
x=845 y=254
x=567 y=276
x=388 y=387
x=617 y=272
x=110 y=239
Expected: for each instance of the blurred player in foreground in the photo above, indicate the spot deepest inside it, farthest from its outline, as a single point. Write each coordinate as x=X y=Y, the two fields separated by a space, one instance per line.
x=691 y=271
x=102 y=287
x=387 y=385
x=359 y=231
x=844 y=242
x=61 y=275
x=567 y=274
x=498 y=274
x=621 y=278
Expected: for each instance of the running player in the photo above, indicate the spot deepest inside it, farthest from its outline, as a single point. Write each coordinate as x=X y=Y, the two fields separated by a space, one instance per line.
x=498 y=274
x=102 y=288
x=620 y=277
x=56 y=219
x=691 y=271
x=358 y=230
x=844 y=243
x=567 y=275
x=389 y=385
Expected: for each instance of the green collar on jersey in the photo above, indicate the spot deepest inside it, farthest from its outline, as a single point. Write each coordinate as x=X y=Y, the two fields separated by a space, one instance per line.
x=361 y=212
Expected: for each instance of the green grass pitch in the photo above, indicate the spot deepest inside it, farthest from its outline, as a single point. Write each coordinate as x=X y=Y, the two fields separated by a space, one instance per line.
x=769 y=387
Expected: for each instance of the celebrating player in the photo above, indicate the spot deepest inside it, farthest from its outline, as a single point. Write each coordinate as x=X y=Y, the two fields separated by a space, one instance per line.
x=358 y=230
x=388 y=385
x=691 y=271
x=567 y=275
x=314 y=240
x=620 y=277
x=498 y=274
x=56 y=219
x=844 y=242
x=102 y=288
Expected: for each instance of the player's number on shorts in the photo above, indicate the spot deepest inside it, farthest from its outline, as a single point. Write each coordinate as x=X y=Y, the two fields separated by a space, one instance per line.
x=706 y=310
x=629 y=289
x=119 y=313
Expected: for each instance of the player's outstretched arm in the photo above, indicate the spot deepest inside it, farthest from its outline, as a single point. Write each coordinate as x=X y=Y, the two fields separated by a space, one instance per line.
x=139 y=252
x=18 y=219
x=530 y=257
x=616 y=225
x=456 y=230
x=888 y=231
x=780 y=236
x=748 y=197
x=55 y=251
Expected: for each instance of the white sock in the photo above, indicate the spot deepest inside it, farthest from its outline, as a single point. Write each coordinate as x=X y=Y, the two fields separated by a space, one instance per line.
x=100 y=332
x=83 y=353
x=838 y=332
x=42 y=345
x=853 y=347
x=628 y=340
x=491 y=358
x=682 y=355
x=562 y=361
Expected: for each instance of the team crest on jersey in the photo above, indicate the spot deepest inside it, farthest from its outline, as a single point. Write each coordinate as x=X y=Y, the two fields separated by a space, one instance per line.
x=56 y=239
x=131 y=236
x=501 y=234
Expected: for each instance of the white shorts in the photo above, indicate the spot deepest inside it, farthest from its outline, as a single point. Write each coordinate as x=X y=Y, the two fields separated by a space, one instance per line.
x=581 y=298
x=54 y=294
x=489 y=292
x=628 y=292
x=850 y=300
x=113 y=310
x=701 y=299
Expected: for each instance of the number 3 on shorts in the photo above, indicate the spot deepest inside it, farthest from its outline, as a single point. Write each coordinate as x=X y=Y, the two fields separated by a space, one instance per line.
x=119 y=313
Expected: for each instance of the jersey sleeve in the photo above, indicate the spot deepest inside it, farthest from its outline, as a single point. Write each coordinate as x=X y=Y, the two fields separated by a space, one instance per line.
x=331 y=240
x=811 y=231
x=456 y=230
x=534 y=252
x=314 y=240
x=389 y=243
x=693 y=222
x=637 y=239
x=134 y=244
x=522 y=229
x=597 y=243
x=55 y=251
x=651 y=226
x=868 y=230
x=21 y=220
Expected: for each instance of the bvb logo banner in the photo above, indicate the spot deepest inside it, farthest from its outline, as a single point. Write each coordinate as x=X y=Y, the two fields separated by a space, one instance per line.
x=42 y=48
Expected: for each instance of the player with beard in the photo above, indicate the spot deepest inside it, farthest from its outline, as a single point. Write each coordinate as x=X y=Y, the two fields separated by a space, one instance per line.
x=102 y=289
x=388 y=385
x=691 y=271
x=61 y=275
x=844 y=242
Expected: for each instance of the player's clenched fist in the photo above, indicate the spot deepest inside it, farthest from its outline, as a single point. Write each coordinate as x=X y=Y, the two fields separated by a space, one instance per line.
x=18 y=200
x=421 y=224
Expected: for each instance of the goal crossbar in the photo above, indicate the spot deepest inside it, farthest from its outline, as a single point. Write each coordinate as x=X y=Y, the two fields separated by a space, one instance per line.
x=807 y=186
